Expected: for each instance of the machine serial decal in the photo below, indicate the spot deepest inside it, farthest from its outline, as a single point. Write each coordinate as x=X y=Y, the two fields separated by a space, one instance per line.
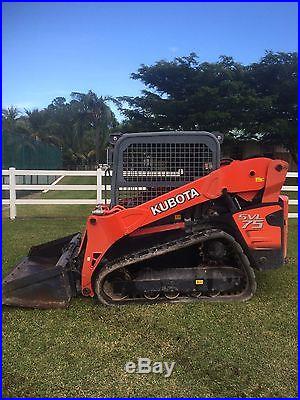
x=174 y=201
x=252 y=221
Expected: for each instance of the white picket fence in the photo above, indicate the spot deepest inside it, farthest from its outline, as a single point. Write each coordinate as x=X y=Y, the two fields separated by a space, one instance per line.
x=12 y=187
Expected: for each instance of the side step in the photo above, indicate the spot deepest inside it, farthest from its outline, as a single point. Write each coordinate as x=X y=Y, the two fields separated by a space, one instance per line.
x=44 y=278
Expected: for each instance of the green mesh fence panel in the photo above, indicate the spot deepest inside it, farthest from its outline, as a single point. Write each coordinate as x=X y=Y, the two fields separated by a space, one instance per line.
x=22 y=152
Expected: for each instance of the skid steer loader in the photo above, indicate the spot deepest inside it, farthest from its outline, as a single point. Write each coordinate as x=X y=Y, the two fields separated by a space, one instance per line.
x=182 y=225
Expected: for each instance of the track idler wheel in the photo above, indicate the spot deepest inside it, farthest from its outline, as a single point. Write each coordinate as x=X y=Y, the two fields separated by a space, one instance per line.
x=114 y=287
x=197 y=294
x=151 y=295
x=172 y=295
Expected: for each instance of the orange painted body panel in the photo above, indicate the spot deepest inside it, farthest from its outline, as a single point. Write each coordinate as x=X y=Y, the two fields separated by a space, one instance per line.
x=156 y=229
x=239 y=177
x=256 y=231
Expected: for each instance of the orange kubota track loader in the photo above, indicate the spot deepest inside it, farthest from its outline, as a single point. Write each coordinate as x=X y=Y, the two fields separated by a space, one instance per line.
x=182 y=225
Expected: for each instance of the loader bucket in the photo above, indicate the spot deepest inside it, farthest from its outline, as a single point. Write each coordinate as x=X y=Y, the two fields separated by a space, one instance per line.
x=44 y=278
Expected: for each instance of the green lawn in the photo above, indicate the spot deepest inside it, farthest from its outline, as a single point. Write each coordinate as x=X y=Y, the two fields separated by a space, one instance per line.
x=221 y=350
x=73 y=194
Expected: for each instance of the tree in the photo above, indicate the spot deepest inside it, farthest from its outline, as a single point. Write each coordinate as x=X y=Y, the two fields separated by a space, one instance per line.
x=9 y=118
x=99 y=117
x=79 y=127
x=259 y=99
x=186 y=94
x=12 y=126
x=275 y=79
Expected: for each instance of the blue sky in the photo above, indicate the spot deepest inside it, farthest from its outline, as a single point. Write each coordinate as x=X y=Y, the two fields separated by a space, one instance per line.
x=52 y=49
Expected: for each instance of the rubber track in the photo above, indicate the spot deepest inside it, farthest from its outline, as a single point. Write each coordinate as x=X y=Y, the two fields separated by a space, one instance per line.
x=164 y=248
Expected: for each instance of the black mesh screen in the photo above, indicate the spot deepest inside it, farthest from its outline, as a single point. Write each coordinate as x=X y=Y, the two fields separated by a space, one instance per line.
x=146 y=166
x=167 y=162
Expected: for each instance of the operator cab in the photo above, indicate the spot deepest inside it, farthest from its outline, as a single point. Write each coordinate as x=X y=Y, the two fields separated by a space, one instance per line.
x=147 y=165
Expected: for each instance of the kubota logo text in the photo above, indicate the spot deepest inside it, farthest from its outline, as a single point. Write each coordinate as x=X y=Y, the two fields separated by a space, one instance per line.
x=251 y=221
x=174 y=201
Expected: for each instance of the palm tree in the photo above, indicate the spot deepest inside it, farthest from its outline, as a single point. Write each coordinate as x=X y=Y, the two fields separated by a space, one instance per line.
x=9 y=118
x=98 y=115
x=15 y=131
x=39 y=127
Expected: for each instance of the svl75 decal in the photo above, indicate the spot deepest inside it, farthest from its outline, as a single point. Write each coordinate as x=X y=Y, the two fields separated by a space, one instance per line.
x=251 y=221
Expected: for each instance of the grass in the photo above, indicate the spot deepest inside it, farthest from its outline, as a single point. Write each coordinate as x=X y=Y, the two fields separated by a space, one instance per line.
x=73 y=194
x=221 y=350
